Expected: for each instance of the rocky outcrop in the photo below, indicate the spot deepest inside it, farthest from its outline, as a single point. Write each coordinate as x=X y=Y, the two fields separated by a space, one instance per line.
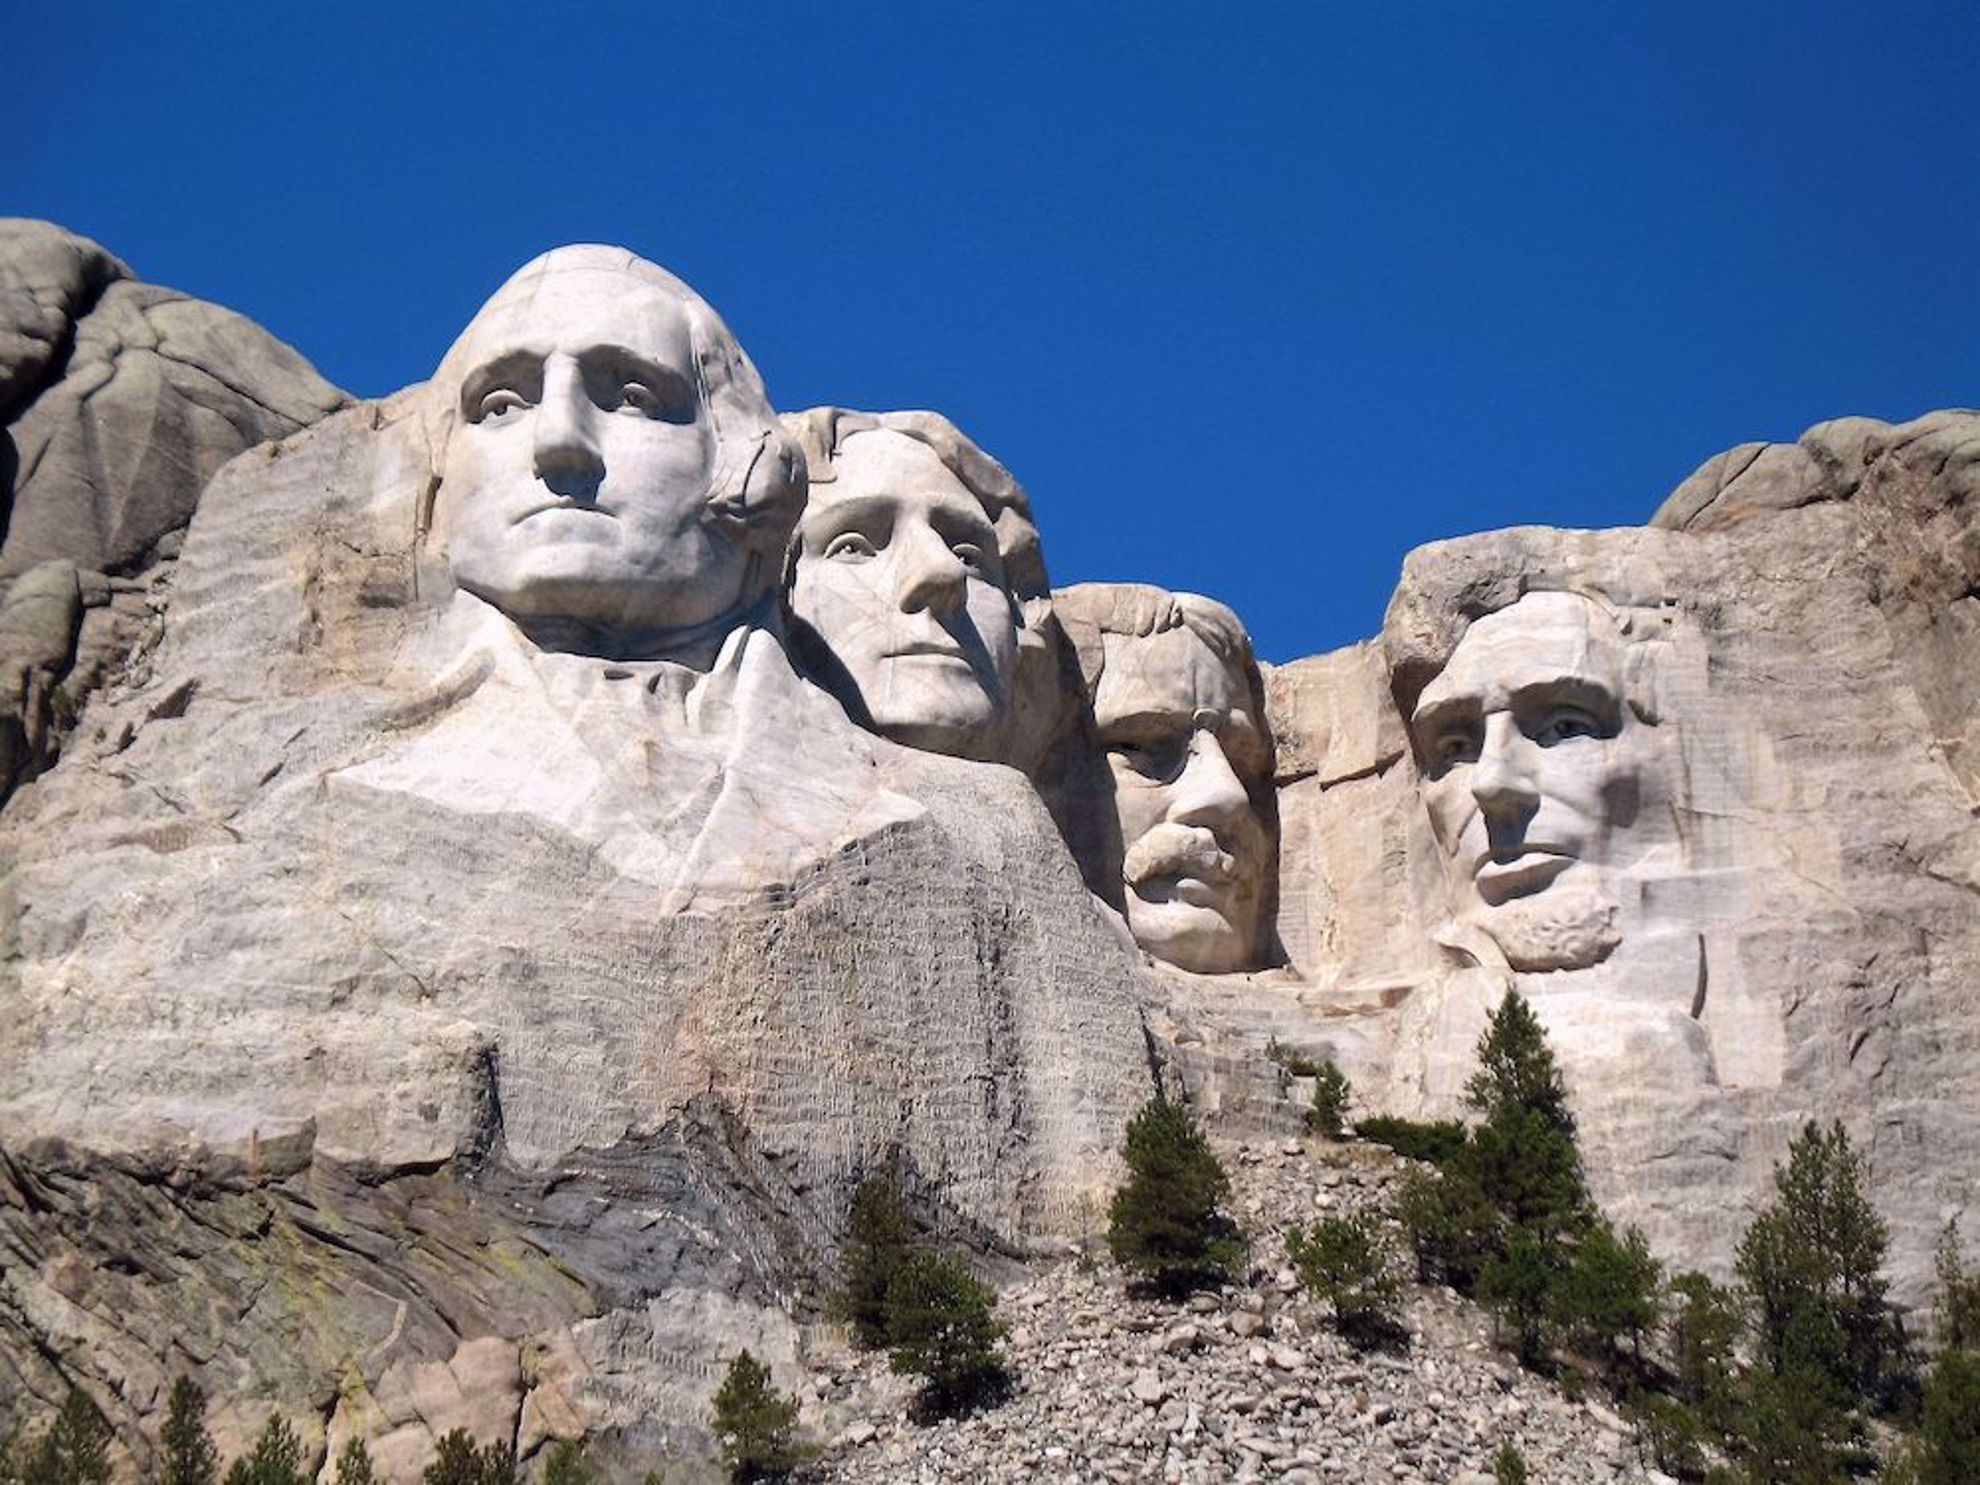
x=119 y=400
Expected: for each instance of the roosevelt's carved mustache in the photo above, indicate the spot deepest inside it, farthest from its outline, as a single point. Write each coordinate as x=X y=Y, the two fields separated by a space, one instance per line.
x=1175 y=850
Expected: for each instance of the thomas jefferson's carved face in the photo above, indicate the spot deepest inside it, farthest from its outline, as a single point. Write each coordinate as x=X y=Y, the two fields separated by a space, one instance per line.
x=1183 y=742
x=577 y=473
x=899 y=577
x=1532 y=774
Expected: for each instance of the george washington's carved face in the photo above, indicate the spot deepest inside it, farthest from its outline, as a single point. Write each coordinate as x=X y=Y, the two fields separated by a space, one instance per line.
x=1533 y=774
x=899 y=577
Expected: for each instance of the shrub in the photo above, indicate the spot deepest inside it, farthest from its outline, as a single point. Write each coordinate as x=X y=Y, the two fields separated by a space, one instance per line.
x=1671 y=1434
x=1166 y=1222
x=1509 y=1465
x=566 y=1466
x=1517 y=1284
x=1349 y=1262
x=1812 y=1263
x=1291 y=1059
x=1331 y=1092
x=1705 y=1324
x=940 y=1327
x=275 y=1459
x=756 y=1423
x=190 y=1458
x=1439 y=1142
x=879 y=1237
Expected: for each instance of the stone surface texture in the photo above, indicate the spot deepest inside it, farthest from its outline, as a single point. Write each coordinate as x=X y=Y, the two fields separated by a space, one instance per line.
x=119 y=400
x=471 y=943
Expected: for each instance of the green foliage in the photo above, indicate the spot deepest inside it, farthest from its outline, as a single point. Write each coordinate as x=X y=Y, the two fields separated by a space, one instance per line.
x=941 y=1328
x=1439 y=1142
x=1166 y=1222
x=72 y=1450
x=354 y=1463
x=1812 y=1263
x=1331 y=1093
x=1959 y=1294
x=1516 y=1068
x=275 y=1459
x=879 y=1237
x=1793 y=1430
x=756 y=1423
x=1350 y=1263
x=1450 y=1223
x=1517 y=1284
x=459 y=1462
x=1292 y=1060
x=565 y=1466
x=1610 y=1291
x=1509 y=1465
x=190 y=1458
x=1706 y=1320
x=1671 y=1433
x=1949 y=1441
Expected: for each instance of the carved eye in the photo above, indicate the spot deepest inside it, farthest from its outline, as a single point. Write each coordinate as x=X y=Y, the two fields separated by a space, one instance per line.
x=850 y=546
x=498 y=404
x=640 y=398
x=1155 y=760
x=1564 y=723
x=968 y=553
x=1457 y=746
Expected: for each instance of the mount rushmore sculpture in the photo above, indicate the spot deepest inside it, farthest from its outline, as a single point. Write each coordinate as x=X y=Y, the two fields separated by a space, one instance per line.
x=570 y=812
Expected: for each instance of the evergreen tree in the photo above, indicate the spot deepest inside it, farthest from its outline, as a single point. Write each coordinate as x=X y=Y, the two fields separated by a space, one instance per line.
x=1166 y=1222
x=940 y=1327
x=458 y=1461
x=1509 y=1465
x=73 y=1450
x=1523 y=1153
x=756 y=1423
x=1812 y=1262
x=1348 y=1262
x=1609 y=1291
x=879 y=1237
x=1705 y=1325
x=190 y=1458
x=1959 y=1294
x=1517 y=1284
x=275 y=1459
x=1331 y=1092
x=1516 y=1068
x=354 y=1463
x=1451 y=1224
x=1949 y=1441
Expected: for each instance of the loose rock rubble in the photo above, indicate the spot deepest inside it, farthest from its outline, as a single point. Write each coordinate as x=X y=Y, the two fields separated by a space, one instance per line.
x=1250 y=1384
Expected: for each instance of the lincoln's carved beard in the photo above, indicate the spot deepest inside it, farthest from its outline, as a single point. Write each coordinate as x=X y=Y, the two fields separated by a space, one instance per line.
x=1564 y=928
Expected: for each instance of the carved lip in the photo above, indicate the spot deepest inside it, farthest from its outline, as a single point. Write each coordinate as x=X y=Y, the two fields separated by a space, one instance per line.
x=560 y=503
x=928 y=649
x=1500 y=878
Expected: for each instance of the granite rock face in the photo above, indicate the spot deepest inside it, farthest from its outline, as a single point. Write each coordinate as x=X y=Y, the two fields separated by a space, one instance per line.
x=119 y=400
x=528 y=855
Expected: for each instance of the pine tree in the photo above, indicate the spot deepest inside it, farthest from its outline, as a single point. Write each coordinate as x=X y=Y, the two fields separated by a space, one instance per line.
x=1949 y=1441
x=879 y=1237
x=756 y=1423
x=190 y=1458
x=354 y=1463
x=73 y=1450
x=1166 y=1222
x=1523 y=1153
x=1331 y=1092
x=275 y=1459
x=1610 y=1291
x=1812 y=1262
x=1348 y=1262
x=1959 y=1294
x=567 y=1466
x=942 y=1328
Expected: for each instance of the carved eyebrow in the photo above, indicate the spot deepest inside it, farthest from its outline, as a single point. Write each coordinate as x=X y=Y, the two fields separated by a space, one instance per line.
x=1568 y=690
x=1435 y=715
x=1146 y=722
x=624 y=361
x=520 y=369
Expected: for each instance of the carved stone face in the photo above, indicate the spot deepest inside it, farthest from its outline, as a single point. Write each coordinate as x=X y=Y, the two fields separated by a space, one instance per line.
x=577 y=473
x=1186 y=749
x=1532 y=771
x=899 y=577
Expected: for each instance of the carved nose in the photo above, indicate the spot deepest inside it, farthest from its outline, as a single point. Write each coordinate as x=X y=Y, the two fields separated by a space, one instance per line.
x=1209 y=791
x=932 y=576
x=568 y=458
x=1502 y=781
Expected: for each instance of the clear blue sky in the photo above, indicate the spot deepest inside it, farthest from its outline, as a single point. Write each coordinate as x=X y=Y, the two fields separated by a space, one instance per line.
x=1253 y=298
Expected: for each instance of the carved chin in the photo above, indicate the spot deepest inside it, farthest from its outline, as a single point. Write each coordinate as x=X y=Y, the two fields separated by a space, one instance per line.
x=1199 y=939
x=1558 y=930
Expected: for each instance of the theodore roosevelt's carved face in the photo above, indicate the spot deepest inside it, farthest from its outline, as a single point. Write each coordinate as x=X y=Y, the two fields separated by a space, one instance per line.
x=898 y=575
x=577 y=476
x=1187 y=749
x=1532 y=770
